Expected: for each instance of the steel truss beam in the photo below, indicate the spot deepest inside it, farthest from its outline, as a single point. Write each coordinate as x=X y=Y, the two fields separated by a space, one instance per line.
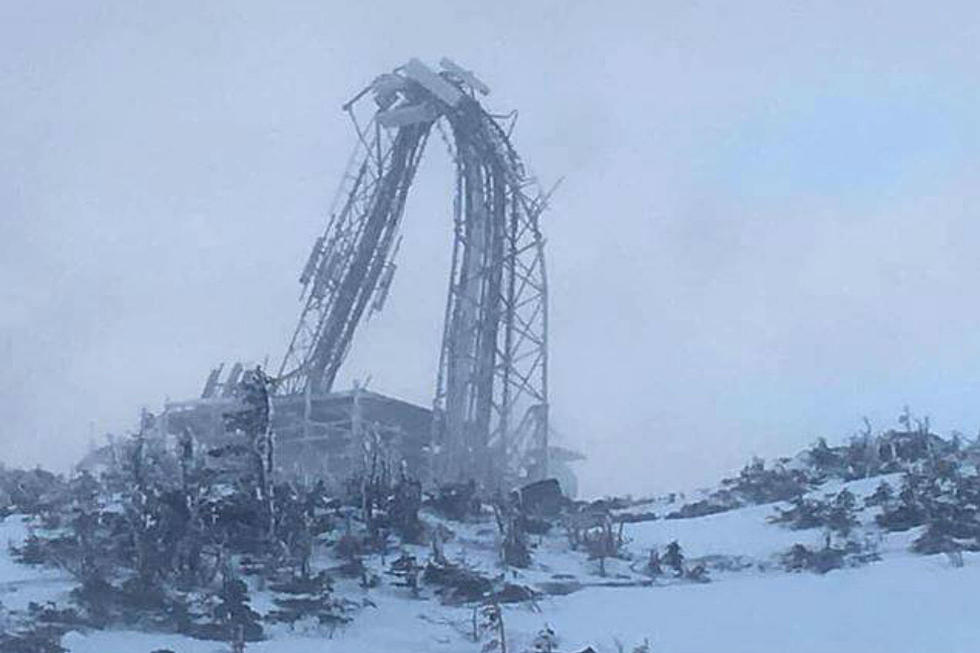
x=491 y=403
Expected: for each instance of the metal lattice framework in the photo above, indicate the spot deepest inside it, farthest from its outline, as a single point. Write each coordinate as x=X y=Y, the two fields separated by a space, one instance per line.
x=491 y=404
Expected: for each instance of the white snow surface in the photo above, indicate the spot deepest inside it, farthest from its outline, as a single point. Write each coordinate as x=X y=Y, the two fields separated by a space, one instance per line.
x=905 y=603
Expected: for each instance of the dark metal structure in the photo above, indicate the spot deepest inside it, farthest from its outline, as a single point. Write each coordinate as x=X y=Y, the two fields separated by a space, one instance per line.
x=340 y=427
x=490 y=413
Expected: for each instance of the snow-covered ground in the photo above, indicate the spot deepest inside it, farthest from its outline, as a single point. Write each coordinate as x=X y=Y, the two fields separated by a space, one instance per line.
x=22 y=584
x=919 y=605
x=905 y=603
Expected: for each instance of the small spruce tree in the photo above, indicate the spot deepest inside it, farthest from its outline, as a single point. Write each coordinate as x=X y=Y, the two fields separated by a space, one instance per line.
x=674 y=558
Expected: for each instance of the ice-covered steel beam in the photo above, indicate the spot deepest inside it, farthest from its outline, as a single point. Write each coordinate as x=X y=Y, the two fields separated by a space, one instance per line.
x=491 y=403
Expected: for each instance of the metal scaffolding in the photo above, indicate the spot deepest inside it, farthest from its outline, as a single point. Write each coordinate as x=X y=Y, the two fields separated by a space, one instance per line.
x=490 y=417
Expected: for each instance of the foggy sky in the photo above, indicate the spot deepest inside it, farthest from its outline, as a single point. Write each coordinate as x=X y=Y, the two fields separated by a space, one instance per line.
x=767 y=228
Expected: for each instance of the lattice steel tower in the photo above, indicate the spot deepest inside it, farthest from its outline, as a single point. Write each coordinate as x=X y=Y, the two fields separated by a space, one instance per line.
x=491 y=405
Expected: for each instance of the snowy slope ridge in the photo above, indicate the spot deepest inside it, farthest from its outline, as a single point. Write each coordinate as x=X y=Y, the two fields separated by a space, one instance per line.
x=836 y=566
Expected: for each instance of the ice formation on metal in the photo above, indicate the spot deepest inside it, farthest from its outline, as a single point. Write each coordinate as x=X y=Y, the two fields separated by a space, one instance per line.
x=490 y=417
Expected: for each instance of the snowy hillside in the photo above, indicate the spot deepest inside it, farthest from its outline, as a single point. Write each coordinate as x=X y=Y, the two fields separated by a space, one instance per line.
x=904 y=602
x=734 y=584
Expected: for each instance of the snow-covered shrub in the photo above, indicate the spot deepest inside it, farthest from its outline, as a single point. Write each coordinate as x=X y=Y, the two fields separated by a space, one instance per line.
x=718 y=502
x=758 y=484
x=883 y=495
x=308 y=598
x=407 y=570
x=755 y=484
x=653 y=567
x=231 y=616
x=488 y=620
x=457 y=584
x=546 y=641
x=841 y=517
x=604 y=541
x=37 y=639
x=945 y=501
x=837 y=515
x=674 y=558
x=515 y=548
x=643 y=647
x=31 y=492
x=801 y=558
x=698 y=573
x=31 y=552
x=456 y=501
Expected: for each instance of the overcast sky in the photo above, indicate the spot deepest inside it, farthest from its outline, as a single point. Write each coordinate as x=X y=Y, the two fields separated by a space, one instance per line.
x=767 y=230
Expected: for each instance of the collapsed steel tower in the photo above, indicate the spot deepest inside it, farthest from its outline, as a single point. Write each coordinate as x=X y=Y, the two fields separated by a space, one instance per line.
x=490 y=418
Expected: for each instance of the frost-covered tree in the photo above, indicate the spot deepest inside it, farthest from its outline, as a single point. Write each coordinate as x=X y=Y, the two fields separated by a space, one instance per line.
x=232 y=617
x=841 y=517
x=653 y=563
x=674 y=558
x=546 y=641
x=252 y=423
